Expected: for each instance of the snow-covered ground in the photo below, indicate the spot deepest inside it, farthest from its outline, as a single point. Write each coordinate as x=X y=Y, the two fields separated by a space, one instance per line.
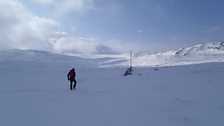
x=34 y=91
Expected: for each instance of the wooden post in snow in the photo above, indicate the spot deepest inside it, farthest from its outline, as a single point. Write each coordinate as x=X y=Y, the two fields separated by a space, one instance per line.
x=129 y=70
x=130 y=59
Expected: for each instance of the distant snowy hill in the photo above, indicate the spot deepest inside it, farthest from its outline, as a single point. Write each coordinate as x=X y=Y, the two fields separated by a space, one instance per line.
x=202 y=49
x=32 y=57
x=201 y=53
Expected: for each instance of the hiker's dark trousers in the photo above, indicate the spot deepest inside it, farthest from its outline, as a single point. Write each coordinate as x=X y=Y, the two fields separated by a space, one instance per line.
x=72 y=80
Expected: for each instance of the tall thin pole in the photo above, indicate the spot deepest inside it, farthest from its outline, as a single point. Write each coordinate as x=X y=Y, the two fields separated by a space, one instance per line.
x=130 y=59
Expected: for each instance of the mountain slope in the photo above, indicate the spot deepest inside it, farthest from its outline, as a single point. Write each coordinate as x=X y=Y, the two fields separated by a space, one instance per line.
x=202 y=49
x=33 y=57
x=201 y=53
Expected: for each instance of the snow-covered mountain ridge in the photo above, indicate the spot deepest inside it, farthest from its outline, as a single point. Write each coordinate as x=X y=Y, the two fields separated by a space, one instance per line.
x=201 y=53
x=202 y=49
x=17 y=58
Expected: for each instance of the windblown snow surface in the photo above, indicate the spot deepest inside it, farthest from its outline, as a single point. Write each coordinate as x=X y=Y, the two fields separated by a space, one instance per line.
x=34 y=91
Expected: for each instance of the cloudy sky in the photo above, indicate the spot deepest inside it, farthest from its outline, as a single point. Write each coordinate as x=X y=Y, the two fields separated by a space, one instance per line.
x=98 y=26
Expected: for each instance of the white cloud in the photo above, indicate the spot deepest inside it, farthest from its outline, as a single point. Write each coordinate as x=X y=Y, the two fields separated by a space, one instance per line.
x=76 y=5
x=65 y=6
x=68 y=44
x=63 y=43
x=21 y=29
x=45 y=1
x=139 y=31
x=125 y=46
x=214 y=29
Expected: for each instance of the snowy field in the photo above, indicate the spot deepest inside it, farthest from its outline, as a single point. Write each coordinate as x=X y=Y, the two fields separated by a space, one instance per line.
x=36 y=93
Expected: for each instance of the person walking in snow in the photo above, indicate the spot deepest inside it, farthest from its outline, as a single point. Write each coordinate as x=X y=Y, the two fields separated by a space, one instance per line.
x=71 y=77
